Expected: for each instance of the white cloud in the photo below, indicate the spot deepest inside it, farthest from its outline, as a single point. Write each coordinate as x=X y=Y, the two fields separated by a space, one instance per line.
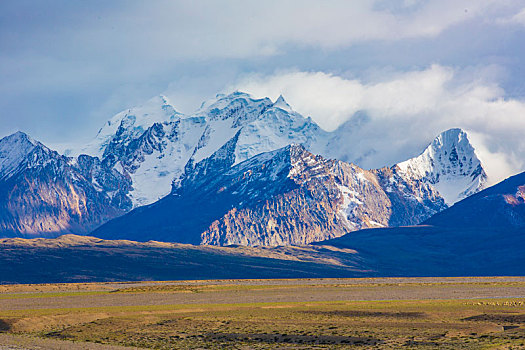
x=185 y=29
x=405 y=111
x=518 y=18
x=59 y=61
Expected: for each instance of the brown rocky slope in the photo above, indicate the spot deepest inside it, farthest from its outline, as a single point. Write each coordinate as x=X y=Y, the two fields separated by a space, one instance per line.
x=285 y=197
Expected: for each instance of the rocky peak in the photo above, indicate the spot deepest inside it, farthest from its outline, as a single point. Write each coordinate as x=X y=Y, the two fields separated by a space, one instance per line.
x=128 y=124
x=17 y=149
x=43 y=193
x=282 y=104
x=239 y=107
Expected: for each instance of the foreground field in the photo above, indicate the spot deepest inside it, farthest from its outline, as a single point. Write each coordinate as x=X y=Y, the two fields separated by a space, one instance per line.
x=454 y=313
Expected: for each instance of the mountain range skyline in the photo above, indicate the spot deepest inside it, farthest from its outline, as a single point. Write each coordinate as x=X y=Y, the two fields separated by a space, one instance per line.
x=160 y=109
x=395 y=68
x=151 y=155
x=179 y=174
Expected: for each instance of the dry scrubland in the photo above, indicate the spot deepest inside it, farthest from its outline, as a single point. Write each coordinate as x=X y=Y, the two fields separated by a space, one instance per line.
x=453 y=313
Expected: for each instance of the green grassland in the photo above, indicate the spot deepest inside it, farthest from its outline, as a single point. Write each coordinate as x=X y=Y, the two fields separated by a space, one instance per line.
x=296 y=318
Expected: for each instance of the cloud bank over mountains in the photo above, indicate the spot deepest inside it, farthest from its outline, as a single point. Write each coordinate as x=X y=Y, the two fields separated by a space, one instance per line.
x=398 y=115
x=401 y=70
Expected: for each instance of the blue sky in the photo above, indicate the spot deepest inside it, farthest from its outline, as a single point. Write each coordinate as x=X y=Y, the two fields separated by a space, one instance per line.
x=414 y=68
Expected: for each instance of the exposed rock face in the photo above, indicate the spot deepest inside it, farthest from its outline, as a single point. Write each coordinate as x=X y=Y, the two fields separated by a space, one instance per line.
x=415 y=199
x=288 y=196
x=43 y=193
x=328 y=198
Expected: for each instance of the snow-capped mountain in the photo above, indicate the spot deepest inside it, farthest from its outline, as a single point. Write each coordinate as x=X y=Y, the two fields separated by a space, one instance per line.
x=262 y=125
x=127 y=125
x=14 y=150
x=145 y=153
x=43 y=193
x=450 y=164
x=153 y=144
x=282 y=197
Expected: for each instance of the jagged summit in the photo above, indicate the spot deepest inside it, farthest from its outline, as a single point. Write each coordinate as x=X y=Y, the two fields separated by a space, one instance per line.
x=130 y=123
x=234 y=101
x=14 y=150
x=263 y=126
x=282 y=104
x=450 y=164
x=43 y=193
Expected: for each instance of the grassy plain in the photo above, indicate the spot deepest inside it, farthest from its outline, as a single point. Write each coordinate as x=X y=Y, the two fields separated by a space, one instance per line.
x=425 y=313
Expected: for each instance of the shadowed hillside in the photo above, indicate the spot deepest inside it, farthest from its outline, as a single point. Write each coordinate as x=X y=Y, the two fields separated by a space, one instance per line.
x=86 y=259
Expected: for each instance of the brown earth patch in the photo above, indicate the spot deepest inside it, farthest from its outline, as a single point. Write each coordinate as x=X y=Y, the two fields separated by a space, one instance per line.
x=5 y=326
x=497 y=318
x=292 y=338
x=360 y=313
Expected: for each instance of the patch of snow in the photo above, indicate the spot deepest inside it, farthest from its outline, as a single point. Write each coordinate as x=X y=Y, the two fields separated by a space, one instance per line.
x=153 y=179
x=361 y=177
x=376 y=224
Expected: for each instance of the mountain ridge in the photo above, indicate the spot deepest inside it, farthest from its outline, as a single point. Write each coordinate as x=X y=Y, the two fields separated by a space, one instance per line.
x=45 y=193
x=498 y=207
x=286 y=196
x=264 y=126
x=146 y=153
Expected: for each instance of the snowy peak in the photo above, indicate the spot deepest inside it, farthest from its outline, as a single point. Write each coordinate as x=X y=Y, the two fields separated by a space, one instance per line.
x=130 y=123
x=19 y=139
x=282 y=104
x=222 y=101
x=14 y=150
x=450 y=164
x=239 y=107
x=264 y=126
